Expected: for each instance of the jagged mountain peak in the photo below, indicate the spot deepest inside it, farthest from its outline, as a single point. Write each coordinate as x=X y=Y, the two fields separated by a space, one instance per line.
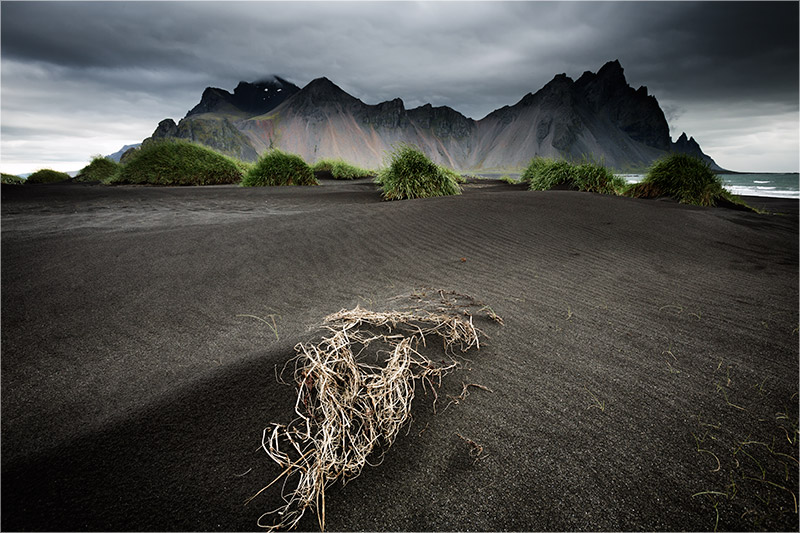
x=274 y=83
x=320 y=92
x=560 y=82
x=272 y=79
x=394 y=103
x=427 y=107
x=632 y=110
x=687 y=145
x=612 y=70
x=430 y=108
x=260 y=97
x=599 y=114
x=444 y=120
x=556 y=92
x=608 y=80
x=322 y=86
x=213 y=100
x=247 y=98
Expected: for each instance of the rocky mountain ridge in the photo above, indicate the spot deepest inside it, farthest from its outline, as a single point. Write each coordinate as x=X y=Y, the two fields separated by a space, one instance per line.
x=247 y=99
x=597 y=116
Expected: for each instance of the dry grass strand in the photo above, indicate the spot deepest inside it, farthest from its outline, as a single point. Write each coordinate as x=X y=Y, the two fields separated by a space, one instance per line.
x=350 y=408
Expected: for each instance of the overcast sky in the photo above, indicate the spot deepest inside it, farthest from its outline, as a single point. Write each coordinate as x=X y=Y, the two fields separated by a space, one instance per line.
x=82 y=78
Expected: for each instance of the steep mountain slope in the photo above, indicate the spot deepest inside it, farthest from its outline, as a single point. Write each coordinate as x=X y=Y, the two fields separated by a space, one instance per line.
x=216 y=132
x=689 y=146
x=599 y=116
x=322 y=120
x=608 y=95
x=211 y=122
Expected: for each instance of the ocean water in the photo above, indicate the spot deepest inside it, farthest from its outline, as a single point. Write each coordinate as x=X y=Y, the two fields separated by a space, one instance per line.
x=771 y=185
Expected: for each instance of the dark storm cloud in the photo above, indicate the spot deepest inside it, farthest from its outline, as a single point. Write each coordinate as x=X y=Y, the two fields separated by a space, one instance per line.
x=499 y=50
x=147 y=60
x=712 y=50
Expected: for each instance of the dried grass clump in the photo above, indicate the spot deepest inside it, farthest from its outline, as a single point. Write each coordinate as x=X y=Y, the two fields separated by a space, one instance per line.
x=352 y=402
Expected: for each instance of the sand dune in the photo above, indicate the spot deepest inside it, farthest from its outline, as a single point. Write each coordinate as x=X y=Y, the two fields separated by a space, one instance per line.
x=647 y=345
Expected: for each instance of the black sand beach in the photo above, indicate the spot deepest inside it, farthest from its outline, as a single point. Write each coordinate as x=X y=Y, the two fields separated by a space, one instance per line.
x=646 y=377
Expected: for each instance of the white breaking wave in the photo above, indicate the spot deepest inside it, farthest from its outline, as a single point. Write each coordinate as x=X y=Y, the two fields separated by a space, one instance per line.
x=772 y=192
x=757 y=188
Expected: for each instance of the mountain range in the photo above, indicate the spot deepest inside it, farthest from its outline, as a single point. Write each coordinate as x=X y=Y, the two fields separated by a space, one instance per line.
x=598 y=116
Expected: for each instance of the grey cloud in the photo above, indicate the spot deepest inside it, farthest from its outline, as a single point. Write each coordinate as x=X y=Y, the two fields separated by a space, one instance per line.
x=672 y=112
x=683 y=50
x=154 y=58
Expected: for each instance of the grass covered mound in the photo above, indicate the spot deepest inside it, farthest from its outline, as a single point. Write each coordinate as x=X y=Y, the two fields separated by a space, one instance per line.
x=279 y=168
x=47 y=175
x=340 y=169
x=178 y=163
x=688 y=180
x=100 y=169
x=410 y=174
x=11 y=179
x=543 y=174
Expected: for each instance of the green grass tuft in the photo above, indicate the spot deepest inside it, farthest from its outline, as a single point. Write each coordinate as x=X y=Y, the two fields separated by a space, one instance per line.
x=47 y=175
x=11 y=179
x=100 y=169
x=341 y=170
x=172 y=162
x=544 y=174
x=594 y=177
x=459 y=178
x=688 y=180
x=279 y=168
x=410 y=174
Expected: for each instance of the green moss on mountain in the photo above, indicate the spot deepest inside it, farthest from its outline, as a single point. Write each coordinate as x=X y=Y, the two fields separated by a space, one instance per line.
x=217 y=133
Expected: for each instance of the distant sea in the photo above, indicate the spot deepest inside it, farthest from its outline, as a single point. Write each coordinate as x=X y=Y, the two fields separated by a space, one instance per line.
x=771 y=185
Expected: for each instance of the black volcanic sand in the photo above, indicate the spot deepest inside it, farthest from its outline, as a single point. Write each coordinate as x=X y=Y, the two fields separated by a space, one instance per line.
x=646 y=377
